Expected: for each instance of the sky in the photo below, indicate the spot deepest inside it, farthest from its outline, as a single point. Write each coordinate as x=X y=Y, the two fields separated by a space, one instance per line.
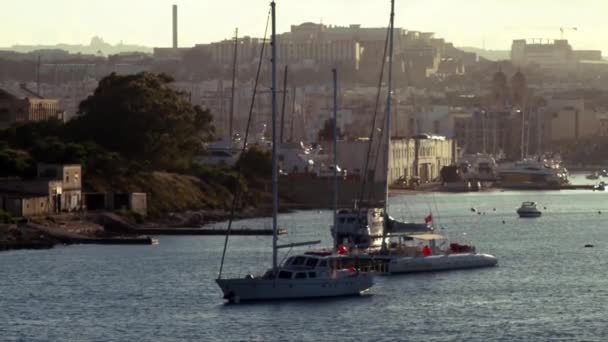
x=490 y=23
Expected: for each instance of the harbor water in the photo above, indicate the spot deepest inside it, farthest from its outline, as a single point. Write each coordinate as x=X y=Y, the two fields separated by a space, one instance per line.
x=547 y=285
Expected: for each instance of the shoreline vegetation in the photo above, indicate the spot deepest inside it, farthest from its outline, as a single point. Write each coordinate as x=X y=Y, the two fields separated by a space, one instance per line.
x=137 y=134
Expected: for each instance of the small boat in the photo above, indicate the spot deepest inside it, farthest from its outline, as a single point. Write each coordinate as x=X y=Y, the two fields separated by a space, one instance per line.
x=600 y=187
x=528 y=210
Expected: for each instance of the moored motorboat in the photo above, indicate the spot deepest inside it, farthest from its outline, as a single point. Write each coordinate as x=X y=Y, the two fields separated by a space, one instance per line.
x=528 y=210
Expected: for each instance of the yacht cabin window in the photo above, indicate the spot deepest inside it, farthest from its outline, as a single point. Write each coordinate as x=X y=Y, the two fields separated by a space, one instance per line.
x=323 y=263
x=300 y=275
x=298 y=261
x=311 y=262
x=312 y=274
x=284 y=275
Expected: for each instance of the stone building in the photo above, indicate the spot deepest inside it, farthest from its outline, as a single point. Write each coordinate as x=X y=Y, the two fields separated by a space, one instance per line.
x=17 y=108
x=67 y=194
x=420 y=156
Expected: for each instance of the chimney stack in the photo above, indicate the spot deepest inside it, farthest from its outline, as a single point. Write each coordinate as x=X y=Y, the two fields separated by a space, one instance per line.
x=175 y=26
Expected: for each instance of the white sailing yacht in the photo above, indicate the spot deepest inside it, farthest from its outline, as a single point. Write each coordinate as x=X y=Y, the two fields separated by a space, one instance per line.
x=406 y=254
x=300 y=276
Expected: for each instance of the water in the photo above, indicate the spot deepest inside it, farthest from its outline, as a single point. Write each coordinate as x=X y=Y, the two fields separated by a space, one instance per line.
x=546 y=287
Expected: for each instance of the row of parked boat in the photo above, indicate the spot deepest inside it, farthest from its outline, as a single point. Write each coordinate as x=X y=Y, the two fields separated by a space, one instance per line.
x=367 y=243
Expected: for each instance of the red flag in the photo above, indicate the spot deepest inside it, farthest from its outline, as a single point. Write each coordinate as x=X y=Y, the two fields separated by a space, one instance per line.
x=428 y=219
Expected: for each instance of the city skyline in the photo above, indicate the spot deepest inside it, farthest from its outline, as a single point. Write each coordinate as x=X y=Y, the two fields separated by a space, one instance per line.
x=463 y=25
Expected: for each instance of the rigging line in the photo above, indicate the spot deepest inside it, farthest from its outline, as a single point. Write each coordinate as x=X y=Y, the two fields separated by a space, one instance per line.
x=436 y=209
x=237 y=189
x=371 y=134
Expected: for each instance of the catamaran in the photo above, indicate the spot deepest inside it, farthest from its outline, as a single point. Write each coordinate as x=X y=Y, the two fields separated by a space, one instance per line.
x=300 y=276
x=370 y=234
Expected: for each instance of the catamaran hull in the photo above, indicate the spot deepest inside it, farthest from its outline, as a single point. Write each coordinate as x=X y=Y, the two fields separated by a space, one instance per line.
x=440 y=263
x=236 y=290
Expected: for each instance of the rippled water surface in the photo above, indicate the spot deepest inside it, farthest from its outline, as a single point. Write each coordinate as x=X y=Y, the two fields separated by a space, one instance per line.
x=546 y=287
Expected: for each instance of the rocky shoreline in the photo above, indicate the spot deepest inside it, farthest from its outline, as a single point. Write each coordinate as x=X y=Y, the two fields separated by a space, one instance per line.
x=110 y=228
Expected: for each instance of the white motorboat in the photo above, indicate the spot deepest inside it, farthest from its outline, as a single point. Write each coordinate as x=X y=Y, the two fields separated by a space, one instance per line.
x=530 y=173
x=528 y=210
x=600 y=187
x=299 y=276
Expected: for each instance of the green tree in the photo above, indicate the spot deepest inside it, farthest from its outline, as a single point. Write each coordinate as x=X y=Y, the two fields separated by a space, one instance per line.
x=255 y=163
x=143 y=119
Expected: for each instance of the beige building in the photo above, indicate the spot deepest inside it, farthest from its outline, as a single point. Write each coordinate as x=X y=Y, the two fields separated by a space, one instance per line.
x=422 y=156
x=66 y=195
x=15 y=109
x=57 y=188
x=25 y=205
x=570 y=119
x=550 y=54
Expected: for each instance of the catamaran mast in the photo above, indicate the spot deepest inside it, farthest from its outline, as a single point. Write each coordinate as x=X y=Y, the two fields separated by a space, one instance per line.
x=275 y=174
x=387 y=127
x=335 y=206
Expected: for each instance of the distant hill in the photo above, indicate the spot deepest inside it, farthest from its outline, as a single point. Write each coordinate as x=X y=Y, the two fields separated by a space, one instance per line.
x=493 y=55
x=97 y=46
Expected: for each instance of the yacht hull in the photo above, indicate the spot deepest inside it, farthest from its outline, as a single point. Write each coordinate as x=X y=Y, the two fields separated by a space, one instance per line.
x=257 y=289
x=440 y=263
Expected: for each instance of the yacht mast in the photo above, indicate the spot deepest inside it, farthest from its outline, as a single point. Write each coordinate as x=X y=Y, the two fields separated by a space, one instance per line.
x=389 y=94
x=275 y=174
x=234 y=61
x=335 y=206
x=387 y=127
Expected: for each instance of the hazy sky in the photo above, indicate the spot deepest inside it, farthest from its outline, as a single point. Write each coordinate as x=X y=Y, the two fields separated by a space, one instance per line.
x=148 y=22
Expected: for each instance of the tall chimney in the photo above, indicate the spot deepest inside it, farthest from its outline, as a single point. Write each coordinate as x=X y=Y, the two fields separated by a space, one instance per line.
x=175 y=26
